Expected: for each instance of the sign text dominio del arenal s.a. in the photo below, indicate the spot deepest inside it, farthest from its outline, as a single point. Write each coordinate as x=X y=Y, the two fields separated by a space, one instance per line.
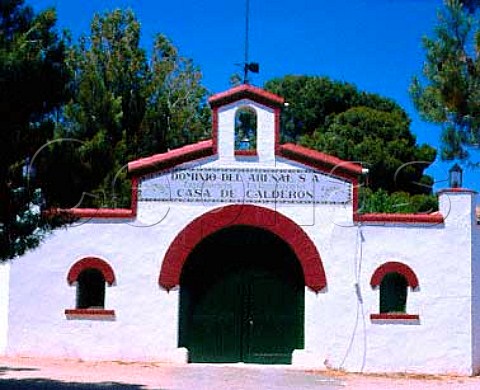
x=234 y=185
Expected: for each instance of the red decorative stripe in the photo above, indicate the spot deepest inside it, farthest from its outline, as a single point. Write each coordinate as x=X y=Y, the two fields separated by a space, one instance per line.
x=394 y=267
x=246 y=91
x=322 y=161
x=214 y=220
x=170 y=159
x=91 y=262
x=394 y=316
x=246 y=153
x=464 y=190
x=215 y=130
x=98 y=213
x=89 y=312
x=436 y=218
x=134 y=200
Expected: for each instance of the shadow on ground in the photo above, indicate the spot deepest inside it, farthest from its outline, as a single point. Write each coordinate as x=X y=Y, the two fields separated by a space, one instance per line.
x=49 y=384
x=4 y=369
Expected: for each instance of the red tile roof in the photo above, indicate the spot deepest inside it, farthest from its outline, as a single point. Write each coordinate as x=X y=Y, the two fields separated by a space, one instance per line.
x=171 y=158
x=246 y=91
x=318 y=159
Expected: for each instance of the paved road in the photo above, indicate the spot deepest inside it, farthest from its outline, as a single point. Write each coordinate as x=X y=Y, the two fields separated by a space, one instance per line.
x=57 y=374
x=193 y=377
x=251 y=378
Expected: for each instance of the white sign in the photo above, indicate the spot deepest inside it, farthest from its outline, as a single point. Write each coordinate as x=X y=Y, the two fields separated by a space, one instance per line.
x=236 y=185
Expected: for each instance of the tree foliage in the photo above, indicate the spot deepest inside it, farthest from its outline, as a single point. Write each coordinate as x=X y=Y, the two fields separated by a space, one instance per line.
x=338 y=119
x=125 y=105
x=33 y=85
x=396 y=202
x=448 y=92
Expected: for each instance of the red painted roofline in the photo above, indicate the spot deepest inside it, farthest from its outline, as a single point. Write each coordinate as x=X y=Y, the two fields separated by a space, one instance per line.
x=162 y=161
x=301 y=154
x=246 y=91
x=316 y=159
x=159 y=162
x=106 y=213
x=435 y=218
x=100 y=213
x=457 y=190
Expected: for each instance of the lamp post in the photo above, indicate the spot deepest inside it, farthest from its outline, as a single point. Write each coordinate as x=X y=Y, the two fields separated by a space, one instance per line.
x=455 y=176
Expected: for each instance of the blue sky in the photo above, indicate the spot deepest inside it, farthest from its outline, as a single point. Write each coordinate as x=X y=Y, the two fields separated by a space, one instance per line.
x=375 y=44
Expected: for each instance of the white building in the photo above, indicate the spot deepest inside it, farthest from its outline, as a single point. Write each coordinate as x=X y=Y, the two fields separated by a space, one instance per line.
x=242 y=249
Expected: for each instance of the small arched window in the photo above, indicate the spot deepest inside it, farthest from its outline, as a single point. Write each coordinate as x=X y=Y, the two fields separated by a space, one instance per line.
x=245 y=131
x=394 y=278
x=90 y=289
x=393 y=293
x=90 y=276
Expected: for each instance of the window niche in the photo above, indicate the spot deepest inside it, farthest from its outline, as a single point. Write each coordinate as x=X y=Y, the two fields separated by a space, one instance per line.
x=90 y=289
x=245 y=131
x=393 y=279
x=393 y=293
x=90 y=275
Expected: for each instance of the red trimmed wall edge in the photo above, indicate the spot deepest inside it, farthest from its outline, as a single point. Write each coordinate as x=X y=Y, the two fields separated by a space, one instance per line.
x=89 y=312
x=397 y=267
x=436 y=218
x=394 y=316
x=91 y=262
x=215 y=130
x=248 y=215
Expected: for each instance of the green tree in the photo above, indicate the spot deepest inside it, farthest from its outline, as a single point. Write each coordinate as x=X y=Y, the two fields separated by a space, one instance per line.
x=125 y=105
x=33 y=86
x=314 y=102
x=337 y=118
x=471 y=5
x=381 y=141
x=177 y=110
x=448 y=92
x=396 y=202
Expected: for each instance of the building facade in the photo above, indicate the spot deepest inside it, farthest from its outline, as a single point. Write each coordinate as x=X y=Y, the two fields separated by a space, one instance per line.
x=240 y=249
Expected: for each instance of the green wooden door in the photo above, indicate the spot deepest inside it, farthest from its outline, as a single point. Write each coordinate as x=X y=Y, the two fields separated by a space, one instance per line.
x=241 y=299
x=275 y=318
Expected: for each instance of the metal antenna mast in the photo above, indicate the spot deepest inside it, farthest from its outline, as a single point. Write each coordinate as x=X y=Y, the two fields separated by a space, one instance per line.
x=253 y=66
x=247 y=26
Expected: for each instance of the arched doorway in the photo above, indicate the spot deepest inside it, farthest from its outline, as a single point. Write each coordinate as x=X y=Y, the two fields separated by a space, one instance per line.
x=241 y=298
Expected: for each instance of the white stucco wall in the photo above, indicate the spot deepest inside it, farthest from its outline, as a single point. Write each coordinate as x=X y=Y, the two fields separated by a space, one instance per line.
x=335 y=333
x=146 y=316
x=265 y=131
x=4 y=304
x=476 y=297
x=338 y=329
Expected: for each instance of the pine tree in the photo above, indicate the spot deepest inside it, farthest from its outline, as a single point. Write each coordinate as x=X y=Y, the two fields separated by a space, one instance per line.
x=448 y=92
x=33 y=85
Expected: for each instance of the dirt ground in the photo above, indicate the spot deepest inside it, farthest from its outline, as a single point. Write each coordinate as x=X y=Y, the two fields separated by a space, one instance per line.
x=54 y=374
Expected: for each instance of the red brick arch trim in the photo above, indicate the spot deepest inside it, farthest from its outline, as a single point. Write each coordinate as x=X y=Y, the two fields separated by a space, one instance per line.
x=91 y=262
x=397 y=267
x=247 y=215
